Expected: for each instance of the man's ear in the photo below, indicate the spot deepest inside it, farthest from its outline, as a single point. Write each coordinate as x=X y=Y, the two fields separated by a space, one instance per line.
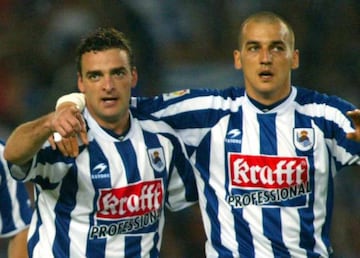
x=134 y=75
x=80 y=83
x=237 y=60
x=295 y=59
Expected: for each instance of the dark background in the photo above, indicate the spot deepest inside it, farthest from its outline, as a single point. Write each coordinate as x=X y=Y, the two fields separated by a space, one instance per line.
x=179 y=44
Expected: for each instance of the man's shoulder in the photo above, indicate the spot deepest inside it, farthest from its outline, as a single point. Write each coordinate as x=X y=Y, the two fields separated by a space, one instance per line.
x=306 y=96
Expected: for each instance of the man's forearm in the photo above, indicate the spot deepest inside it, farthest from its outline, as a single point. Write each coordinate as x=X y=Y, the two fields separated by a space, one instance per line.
x=18 y=245
x=26 y=140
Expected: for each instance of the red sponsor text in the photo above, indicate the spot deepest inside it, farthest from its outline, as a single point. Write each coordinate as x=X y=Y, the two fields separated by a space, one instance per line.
x=267 y=172
x=132 y=200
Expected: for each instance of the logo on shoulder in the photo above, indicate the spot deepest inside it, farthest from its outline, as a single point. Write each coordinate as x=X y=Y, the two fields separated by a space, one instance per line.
x=175 y=94
x=304 y=138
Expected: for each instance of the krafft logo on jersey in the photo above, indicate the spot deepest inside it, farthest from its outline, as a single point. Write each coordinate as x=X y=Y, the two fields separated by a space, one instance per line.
x=303 y=138
x=268 y=180
x=133 y=209
x=267 y=172
x=130 y=201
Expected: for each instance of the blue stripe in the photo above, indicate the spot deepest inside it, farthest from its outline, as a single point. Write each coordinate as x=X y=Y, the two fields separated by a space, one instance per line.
x=129 y=158
x=154 y=252
x=23 y=198
x=34 y=239
x=152 y=141
x=65 y=204
x=96 y=246
x=271 y=216
x=132 y=247
x=7 y=220
x=183 y=166
x=307 y=240
x=212 y=205
x=329 y=208
x=267 y=127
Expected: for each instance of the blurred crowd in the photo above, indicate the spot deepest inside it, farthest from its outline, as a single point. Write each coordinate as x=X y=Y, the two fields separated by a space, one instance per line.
x=179 y=44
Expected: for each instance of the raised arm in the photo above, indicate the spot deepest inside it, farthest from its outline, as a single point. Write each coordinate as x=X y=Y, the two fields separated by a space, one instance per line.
x=26 y=140
x=355 y=116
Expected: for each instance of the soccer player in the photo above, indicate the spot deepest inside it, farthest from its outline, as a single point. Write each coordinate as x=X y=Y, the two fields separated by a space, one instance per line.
x=108 y=201
x=266 y=155
x=15 y=211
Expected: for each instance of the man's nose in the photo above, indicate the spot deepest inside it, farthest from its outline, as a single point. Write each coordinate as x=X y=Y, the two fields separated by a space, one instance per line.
x=265 y=56
x=109 y=84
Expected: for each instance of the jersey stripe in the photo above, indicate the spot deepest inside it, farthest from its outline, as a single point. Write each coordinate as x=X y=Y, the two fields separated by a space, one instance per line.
x=15 y=210
x=271 y=216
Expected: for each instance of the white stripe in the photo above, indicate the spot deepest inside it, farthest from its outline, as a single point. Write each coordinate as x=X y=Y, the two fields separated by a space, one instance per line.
x=320 y=194
x=200 y=103
x=217 y=181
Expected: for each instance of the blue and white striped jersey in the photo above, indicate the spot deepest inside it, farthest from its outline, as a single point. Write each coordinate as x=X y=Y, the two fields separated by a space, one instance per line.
x=109 y=201
x=265 y=179
x=15 y=206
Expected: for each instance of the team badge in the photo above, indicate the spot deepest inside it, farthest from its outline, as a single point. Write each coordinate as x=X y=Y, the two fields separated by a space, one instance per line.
x=157 y=158
x=303 y=138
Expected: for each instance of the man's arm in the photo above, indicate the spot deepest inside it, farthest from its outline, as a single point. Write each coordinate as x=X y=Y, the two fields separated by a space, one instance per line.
x=27 y=139
x=355 y=116
x=17 y=247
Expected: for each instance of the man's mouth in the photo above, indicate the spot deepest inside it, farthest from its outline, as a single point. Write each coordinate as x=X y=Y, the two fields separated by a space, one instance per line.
x=266 y=74
x=109 y=100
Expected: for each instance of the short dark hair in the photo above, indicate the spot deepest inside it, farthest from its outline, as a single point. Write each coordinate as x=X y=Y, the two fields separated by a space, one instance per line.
x=268 y=17
x=104 y=39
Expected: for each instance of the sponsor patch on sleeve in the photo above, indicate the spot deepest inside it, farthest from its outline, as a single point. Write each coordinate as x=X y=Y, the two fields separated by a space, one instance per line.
x=175 y=94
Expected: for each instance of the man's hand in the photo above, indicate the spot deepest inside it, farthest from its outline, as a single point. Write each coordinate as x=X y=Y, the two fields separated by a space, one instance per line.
x=355 y=116
x=68 y=146
x=69 y=126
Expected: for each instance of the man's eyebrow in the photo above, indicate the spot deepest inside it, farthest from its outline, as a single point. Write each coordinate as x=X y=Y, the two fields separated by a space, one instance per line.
x=120 y=68
x=278 y=42
x=251 y=42
x=93 y=72
x=275 y=42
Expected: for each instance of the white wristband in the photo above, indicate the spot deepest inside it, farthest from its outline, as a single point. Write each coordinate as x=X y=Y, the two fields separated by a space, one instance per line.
x=77 y=98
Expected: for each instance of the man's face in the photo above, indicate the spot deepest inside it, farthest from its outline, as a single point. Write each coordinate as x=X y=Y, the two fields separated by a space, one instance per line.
x=266 y=57
x=106 y=81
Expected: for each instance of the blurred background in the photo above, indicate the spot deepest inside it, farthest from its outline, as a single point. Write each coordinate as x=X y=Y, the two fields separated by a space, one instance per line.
x=179 y=44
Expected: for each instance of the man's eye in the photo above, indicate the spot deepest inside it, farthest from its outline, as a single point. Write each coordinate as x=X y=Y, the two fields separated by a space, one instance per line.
x=278 y=48
x=119 y=73
x=93 y=77
x=253 y=48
